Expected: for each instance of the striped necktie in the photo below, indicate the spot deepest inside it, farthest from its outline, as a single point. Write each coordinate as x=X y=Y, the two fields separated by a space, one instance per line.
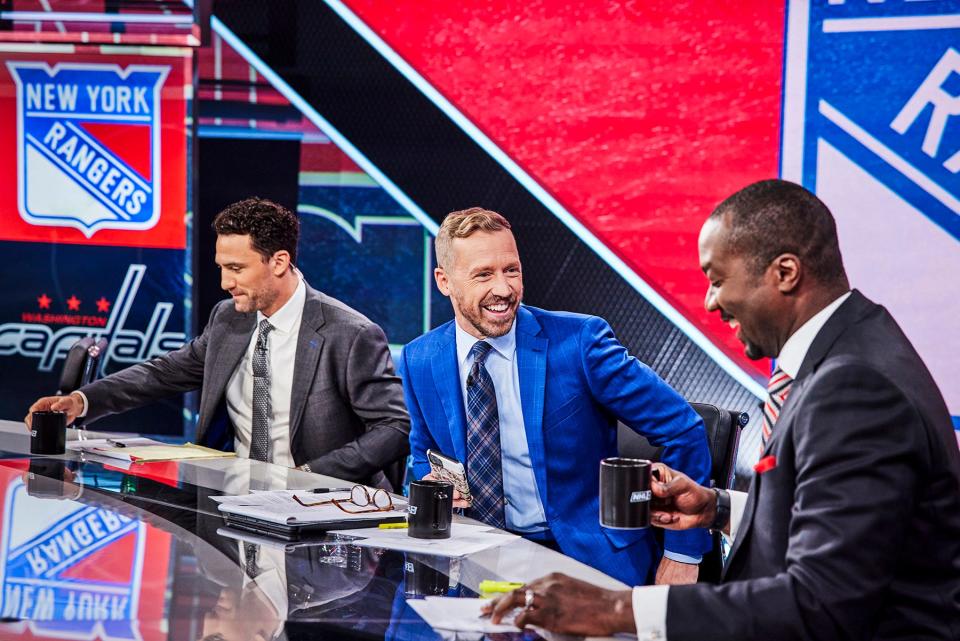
x=262 y=412
x=484 y=466
x=777 y=390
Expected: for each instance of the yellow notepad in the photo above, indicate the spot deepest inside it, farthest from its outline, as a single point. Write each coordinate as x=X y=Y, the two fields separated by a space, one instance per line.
x=149 y=453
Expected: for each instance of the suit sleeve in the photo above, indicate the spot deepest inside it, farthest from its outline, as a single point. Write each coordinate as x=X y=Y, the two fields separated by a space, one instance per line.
x=859 y=447
x=420 y=438
x=645 y=403
x=375 y=394
x=174 y=372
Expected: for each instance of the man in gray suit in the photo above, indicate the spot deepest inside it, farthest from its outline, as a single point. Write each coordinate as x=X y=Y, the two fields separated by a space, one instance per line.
x=286 y=373
x=851 y=528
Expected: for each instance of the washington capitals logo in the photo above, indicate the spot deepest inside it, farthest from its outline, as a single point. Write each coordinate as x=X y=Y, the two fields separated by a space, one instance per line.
x=88 y=145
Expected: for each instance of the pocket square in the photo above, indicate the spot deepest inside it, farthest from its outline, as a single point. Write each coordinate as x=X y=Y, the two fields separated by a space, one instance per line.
x=765 y=464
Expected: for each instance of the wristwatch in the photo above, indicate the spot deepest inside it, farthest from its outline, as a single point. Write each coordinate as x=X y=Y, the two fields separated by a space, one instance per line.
x=722 y=516
x=306 y=468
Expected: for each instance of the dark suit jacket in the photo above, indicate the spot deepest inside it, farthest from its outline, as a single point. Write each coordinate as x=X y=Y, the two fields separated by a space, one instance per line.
x=347 y=417
x=855 y=534
x=576 y=380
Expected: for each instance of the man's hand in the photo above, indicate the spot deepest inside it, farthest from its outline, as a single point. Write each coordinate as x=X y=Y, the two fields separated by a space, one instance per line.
x=72 y=404
x=678 y=502
x=671 y=572
x=458 y=500
x=568 y=606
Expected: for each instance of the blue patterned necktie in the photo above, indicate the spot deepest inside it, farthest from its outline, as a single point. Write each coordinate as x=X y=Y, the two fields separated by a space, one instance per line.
x=484 y=467
x=262 y=413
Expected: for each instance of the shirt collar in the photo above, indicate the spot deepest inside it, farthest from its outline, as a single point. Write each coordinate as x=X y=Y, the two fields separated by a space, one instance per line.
x=505 y=345
x=285 y=318
x=795 y=349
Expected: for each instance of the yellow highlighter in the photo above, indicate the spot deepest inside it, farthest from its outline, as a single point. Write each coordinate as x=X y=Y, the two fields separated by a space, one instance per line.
x=393 y=526
x=489 y=588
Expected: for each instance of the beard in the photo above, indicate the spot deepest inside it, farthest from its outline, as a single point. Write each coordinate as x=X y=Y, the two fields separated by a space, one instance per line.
x=253 y=301
x=491 y=328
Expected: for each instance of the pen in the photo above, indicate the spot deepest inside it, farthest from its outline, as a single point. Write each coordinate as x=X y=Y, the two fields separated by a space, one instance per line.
x=114 y=443
x=326 y=490
x=392 y=526
x=490 y=587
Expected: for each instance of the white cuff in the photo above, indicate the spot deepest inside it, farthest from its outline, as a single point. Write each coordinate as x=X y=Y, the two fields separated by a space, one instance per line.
x=738 y=500
x=650 y=612
x=83 y=397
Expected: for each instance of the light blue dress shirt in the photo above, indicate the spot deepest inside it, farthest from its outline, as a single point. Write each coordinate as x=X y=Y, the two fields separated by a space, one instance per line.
x=524 y=511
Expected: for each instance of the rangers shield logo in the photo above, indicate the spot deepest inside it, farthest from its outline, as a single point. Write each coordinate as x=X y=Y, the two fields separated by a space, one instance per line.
x=69 y=570
x=88 y=145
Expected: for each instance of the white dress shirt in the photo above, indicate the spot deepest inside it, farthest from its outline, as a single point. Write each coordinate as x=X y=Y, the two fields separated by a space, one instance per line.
x=650 y=602
x=523 y=511
x=282 y=352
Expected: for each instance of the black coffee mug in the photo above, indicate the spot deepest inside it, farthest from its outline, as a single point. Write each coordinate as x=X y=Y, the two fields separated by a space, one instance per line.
x=425 y=575
x=625 y=493
x=48 y=479
x=48 y=432
x=430 y=510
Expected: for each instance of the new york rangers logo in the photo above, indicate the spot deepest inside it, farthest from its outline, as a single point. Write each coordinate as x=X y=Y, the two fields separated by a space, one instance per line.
x=69 y=570
x=88 y=145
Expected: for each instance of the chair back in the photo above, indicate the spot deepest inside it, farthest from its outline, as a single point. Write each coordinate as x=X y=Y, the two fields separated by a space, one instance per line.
x=723 y=436
x=81 y=364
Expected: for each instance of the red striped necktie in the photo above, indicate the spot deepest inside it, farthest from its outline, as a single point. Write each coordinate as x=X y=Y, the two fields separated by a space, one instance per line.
x=777 y=390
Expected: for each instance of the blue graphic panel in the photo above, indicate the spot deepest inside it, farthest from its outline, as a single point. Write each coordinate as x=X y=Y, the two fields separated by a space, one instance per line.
x=135 y=298
x=361 y=247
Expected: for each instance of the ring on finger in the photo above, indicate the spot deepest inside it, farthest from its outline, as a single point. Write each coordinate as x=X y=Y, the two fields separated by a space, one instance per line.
x=528 y=599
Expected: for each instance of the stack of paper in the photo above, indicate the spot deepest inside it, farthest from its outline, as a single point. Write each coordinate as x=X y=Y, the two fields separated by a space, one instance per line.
x=465 y=539
x=461 y=615
x=279 y=506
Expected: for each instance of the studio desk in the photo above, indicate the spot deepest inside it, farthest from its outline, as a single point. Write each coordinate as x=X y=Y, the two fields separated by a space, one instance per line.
x=143 y=553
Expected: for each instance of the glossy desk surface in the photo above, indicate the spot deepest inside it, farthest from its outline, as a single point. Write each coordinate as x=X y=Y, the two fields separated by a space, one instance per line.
x=142 y=553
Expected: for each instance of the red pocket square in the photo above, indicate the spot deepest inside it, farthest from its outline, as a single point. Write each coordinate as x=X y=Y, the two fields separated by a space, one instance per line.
x=765 y=464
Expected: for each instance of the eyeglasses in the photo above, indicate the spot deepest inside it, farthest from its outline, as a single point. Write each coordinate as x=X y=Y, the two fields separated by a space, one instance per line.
x=360 y=496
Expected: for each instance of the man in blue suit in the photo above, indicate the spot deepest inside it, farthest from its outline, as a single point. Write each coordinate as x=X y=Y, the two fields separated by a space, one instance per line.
x=529 y=400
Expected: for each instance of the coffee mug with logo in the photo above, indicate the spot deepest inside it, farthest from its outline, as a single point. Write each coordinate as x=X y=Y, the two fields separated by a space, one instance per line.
x=48 y=432
x=431 y=509
x=625 y=493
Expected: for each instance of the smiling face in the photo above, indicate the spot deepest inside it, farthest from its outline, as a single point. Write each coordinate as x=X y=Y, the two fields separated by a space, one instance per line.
x=255 y=283
x=751 y=303
x=484 y=282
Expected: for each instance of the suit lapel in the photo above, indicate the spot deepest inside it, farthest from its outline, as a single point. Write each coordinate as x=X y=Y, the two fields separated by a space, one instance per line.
x=852 y=310
x=309 y=344
x=227 y=354
x=446 y=380
x=532 y=369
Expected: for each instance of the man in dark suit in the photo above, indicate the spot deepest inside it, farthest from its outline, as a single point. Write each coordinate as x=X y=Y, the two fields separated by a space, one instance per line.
x=286 y=373
x=851 y=528
x=533 y=414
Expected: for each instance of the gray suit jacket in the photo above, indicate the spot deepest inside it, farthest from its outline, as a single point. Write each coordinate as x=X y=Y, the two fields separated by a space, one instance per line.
x=347 y=415
x=855 y=532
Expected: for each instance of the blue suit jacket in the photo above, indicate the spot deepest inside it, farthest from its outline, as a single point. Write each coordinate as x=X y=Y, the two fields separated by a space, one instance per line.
x=570 y=419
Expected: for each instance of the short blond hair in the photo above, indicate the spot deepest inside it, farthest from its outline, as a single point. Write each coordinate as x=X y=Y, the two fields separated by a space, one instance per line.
x=463 y=224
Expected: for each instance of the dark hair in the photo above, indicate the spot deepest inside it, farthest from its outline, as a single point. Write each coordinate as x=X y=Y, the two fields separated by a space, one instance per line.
x=773 y=217
x=271 y=227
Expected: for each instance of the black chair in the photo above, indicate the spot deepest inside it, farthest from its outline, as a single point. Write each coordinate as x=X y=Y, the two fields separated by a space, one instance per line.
x=81 y=366
x=723 y=437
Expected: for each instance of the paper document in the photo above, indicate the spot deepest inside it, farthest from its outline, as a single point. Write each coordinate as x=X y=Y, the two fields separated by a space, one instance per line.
x=462 y=615
x=465 y=539
x=93 y=444
x=281 y=507
x=147 y=453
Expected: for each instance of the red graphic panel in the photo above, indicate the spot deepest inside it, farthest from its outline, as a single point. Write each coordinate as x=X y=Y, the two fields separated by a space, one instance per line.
x=143 y=133
x=638 y=117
